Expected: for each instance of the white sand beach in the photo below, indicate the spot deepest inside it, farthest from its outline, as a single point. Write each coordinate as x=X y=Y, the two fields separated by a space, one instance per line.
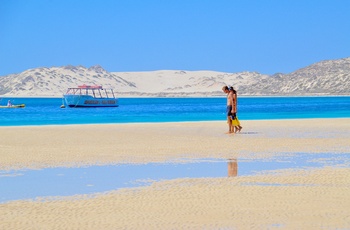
x=311 y=198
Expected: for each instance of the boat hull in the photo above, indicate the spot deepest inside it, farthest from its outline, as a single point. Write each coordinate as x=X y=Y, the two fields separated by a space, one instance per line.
x=77 y=101
x=13 y=106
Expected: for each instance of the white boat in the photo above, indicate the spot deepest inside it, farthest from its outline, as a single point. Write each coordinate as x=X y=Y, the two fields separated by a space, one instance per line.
x=12 y=106
x=90 y=96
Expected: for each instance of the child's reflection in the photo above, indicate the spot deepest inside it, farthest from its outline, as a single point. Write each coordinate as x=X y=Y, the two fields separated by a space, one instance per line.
x=232 y=167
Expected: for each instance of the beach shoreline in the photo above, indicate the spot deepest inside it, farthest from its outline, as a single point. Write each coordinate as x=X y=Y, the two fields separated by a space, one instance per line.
x=310 y=198
x=77 y=145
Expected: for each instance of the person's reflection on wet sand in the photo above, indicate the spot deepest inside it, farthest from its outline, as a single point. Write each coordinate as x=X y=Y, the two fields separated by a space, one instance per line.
x=232 y=167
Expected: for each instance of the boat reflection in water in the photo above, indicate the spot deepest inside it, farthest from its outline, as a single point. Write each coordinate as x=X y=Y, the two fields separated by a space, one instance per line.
x=232 y=168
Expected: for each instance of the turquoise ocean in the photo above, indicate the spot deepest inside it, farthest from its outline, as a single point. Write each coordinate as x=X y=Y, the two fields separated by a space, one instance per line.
x=47 y=111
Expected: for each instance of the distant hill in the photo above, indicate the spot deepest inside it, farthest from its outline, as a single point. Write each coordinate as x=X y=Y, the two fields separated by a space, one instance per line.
x=323 y=78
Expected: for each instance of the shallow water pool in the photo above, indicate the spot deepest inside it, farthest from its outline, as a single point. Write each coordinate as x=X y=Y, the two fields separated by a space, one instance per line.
x=30 y=184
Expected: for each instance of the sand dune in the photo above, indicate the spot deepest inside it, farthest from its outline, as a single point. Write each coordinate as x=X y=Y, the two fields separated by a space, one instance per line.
x=323 y=78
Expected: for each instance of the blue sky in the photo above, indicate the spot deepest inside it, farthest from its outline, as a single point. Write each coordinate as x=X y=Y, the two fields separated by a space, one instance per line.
x=267 y=36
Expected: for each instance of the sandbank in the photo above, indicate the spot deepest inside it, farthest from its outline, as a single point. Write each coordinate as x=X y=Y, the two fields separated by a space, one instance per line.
x=77 y=145
x=290 y=199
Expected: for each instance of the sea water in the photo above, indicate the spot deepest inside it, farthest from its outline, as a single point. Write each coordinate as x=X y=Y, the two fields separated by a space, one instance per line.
x=28 y=184
x=47 y=111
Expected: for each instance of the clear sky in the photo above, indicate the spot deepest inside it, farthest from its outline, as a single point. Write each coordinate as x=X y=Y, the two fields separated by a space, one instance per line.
x=267 y=36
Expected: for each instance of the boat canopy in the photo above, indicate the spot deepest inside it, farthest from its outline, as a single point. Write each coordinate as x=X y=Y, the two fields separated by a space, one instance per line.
x=90 y=86
x=90 y=90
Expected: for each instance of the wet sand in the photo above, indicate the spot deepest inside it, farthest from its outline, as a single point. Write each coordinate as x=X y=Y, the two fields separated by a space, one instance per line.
x=290 y=199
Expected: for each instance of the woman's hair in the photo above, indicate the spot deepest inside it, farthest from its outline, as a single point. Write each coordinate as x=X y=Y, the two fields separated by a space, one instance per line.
x=225 y=88
x=233 y=90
